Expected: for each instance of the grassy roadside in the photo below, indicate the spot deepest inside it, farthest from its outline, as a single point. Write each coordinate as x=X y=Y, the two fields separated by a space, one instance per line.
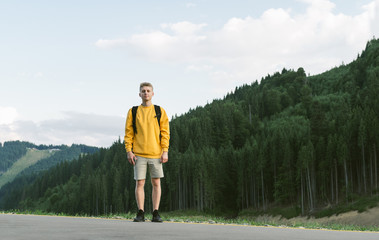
x=364 y=207
x=191 y=216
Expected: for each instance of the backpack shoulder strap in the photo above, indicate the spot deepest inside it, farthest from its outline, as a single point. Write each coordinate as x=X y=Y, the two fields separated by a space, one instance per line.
x=158 y=114
x=134 y=116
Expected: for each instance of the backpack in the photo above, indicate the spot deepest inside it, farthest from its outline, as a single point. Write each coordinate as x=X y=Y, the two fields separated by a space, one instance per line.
x=134 y=116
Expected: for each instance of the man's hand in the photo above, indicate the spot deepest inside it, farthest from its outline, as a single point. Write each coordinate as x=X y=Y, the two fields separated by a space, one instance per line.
x=132 y=158
x=164 y=157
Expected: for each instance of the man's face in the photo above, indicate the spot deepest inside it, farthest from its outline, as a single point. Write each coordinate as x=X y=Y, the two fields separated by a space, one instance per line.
x=146 y=93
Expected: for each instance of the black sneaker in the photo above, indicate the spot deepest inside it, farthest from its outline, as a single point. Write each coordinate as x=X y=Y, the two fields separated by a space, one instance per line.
x=156 y=217
x=140 y=216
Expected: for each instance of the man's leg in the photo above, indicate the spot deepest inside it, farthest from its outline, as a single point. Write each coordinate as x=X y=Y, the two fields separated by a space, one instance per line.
x=140 y=194
x=140 y=168
x=156 y=173
x=156 y=183
x=140 y=198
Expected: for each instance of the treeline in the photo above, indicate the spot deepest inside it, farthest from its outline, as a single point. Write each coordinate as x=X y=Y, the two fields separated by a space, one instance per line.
x=11 y=151
x=289 y=140
x=85 y=185
x=64 y=153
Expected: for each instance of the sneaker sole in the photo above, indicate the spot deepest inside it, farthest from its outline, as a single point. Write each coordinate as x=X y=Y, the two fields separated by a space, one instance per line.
x=157 y=221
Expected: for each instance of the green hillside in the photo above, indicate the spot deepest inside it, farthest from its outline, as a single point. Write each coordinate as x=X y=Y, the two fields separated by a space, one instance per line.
x=10 y=152
x=290 y=141
x=31 y=157
x=23 y=158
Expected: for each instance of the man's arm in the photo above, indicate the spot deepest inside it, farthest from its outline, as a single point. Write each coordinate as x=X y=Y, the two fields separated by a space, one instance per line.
x=132 y=158
x=129 y=137
x=165 y=131
x=164 y=157
x=165 y=135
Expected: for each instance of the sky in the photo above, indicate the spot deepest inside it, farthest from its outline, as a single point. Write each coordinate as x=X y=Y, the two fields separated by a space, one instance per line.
x=70 y=70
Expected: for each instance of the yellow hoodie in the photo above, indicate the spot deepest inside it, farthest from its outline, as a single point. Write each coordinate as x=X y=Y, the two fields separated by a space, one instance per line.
x=146 y=142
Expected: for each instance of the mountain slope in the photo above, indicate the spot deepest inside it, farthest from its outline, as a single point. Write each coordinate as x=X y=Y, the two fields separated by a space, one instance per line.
x=23 y=158
x=64 y=153
x=10 y=152
x=31 y=157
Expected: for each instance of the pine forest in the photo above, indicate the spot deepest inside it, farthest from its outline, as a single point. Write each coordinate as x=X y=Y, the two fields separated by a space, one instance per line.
x=290 y=139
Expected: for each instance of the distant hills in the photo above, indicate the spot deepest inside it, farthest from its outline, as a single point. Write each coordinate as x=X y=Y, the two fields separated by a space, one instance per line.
x=18 y=158
x=31 y=157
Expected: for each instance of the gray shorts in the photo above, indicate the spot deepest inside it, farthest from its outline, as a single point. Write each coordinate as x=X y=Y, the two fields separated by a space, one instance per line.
x=154 y=165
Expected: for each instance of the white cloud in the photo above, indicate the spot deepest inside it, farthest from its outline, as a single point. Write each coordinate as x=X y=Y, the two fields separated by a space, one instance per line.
x=7 y=115
x=372 y=14
x=91 y=129
x=199 y=68
x=248 y=48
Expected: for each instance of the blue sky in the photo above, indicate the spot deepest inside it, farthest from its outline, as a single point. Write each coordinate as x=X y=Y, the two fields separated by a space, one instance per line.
x=70 y=70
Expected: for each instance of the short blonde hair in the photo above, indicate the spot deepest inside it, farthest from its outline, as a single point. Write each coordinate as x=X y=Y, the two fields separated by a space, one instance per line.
x=145 y=84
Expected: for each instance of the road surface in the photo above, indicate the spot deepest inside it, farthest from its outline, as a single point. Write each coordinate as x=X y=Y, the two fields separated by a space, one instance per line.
x=30 y=227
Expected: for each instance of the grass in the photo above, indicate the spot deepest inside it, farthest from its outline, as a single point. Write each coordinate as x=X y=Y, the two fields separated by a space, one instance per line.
x=360 y=204
x=274 y=216
x=192 y=216
x=285 y=212
x=31 y=157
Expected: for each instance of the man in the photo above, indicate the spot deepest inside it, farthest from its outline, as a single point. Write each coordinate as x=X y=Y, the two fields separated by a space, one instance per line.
x=147 y=143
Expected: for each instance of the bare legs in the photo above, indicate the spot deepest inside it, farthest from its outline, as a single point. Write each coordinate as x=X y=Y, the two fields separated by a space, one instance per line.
x=140 y=194
x=156 y=183
x=156 y=193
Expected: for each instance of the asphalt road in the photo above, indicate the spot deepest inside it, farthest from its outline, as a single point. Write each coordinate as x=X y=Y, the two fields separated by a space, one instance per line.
x=30 y=227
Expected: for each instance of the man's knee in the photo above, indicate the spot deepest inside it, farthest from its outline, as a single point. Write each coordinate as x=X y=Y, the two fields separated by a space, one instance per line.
x=140 y=183
x=156 y=182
